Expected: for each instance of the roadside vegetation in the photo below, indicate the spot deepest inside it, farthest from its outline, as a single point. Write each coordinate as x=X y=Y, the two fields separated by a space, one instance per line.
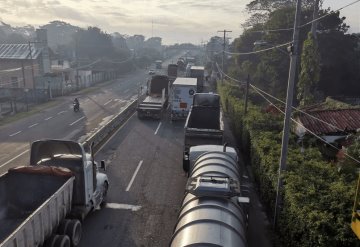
x=317 y=197
x=318 y=190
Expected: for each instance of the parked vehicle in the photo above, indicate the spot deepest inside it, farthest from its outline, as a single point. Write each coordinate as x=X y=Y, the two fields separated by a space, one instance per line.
x=44 y=203
x=172 y=71
x=181 y=97
x=204 y=124
x=156 y=99
x=198 y=72
x=215 y=205
x=151 y=72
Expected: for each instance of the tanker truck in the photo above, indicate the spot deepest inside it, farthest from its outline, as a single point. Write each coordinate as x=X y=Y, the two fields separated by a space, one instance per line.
x=43 y=204
x=214 y=210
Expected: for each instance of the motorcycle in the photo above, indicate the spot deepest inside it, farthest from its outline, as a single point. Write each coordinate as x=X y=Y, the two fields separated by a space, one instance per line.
x=76 y=107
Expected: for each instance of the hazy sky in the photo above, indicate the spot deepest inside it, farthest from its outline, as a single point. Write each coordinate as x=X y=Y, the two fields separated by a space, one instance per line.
x=176 y=21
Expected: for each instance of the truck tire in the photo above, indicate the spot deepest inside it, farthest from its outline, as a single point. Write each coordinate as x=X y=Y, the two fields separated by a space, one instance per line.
x=64 y=224
x=57 y=241
x=74 y=231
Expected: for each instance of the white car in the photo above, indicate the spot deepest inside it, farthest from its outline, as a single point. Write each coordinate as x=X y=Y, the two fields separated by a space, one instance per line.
x=151 y=72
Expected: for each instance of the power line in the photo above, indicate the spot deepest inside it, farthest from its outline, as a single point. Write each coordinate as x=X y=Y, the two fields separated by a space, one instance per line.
x=231 y=78
x=297 y=109
x=259 y=51
x=315 y=135
x=310 y=22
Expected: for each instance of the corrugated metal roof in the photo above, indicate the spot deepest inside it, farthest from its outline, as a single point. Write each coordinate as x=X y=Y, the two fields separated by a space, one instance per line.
x=345 y=119
x=19 y=51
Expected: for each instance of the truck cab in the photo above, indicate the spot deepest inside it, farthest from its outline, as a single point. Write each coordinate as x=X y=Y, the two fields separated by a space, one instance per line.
x=90 y=186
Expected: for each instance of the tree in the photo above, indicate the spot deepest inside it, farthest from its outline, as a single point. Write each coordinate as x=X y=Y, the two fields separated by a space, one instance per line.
x=93 y=43
x=310 y=71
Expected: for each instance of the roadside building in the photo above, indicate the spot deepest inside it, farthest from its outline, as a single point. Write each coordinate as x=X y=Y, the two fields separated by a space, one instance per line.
x=334 y=126
x=21 y=63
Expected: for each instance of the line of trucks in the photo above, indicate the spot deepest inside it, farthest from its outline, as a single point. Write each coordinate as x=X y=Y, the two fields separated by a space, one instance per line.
x=215 y=207
x=43 y=204
x=163 y=90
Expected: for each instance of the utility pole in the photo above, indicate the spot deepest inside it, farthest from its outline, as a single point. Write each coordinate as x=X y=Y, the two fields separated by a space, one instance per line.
x=315 y=16
x=289 y=101
x=246 y=94
x=77 y=59
x=223 y=56
x=32 y=67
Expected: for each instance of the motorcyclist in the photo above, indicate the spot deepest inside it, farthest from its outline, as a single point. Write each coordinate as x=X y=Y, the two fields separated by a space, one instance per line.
x=76 y=104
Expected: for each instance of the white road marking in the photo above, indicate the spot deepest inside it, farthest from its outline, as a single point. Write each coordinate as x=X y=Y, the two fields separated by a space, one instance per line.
x=14 y=134
x=157 y=129
x=108 y=102
x=33 y=125
x=61 y=112
x=122 y=206
x=17 y=156
x=133 y=177
x=48 y=118
x=77 y=121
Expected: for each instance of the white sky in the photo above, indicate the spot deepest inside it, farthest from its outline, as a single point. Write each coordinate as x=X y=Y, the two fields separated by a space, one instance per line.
x=176 y=21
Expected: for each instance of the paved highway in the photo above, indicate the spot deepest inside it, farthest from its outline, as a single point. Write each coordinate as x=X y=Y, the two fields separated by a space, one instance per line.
x=147 y=185
x=97 y=107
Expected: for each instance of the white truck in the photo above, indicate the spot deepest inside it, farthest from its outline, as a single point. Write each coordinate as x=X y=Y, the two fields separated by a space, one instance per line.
x=156 y=99
x=181 y=97
x=43 y=204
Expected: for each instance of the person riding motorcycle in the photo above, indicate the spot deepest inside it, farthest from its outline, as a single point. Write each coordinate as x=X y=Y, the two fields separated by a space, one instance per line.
x=76 y=104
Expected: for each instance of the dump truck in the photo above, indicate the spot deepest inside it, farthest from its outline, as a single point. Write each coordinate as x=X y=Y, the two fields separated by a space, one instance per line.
x=181 y=97
x=43 y=204
x=156 y=98
x=172 y=72
x=204 y=123
x=198 y=72
x=216 y=202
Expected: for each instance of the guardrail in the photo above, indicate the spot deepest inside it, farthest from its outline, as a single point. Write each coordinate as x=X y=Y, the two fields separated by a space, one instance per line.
x=106 y=131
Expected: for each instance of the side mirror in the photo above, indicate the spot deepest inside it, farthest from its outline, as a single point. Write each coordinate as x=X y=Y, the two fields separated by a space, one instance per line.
x=103 y=165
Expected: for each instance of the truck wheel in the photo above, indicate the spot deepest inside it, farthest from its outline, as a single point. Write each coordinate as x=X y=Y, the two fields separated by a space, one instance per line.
x=57 y=241
x=74 y=231
x=64 y=224
x=62 y=241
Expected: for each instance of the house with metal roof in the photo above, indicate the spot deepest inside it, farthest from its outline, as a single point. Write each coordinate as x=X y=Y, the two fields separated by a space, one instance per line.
x=333 y=126
x=20 y=64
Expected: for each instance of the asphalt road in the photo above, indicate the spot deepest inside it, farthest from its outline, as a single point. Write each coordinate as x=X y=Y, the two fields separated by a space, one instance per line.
x=146 y=186
x=61 y=122
x=144 y=165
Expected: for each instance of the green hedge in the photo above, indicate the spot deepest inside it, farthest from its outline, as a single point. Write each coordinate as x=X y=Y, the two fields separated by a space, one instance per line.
x=317 y=198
